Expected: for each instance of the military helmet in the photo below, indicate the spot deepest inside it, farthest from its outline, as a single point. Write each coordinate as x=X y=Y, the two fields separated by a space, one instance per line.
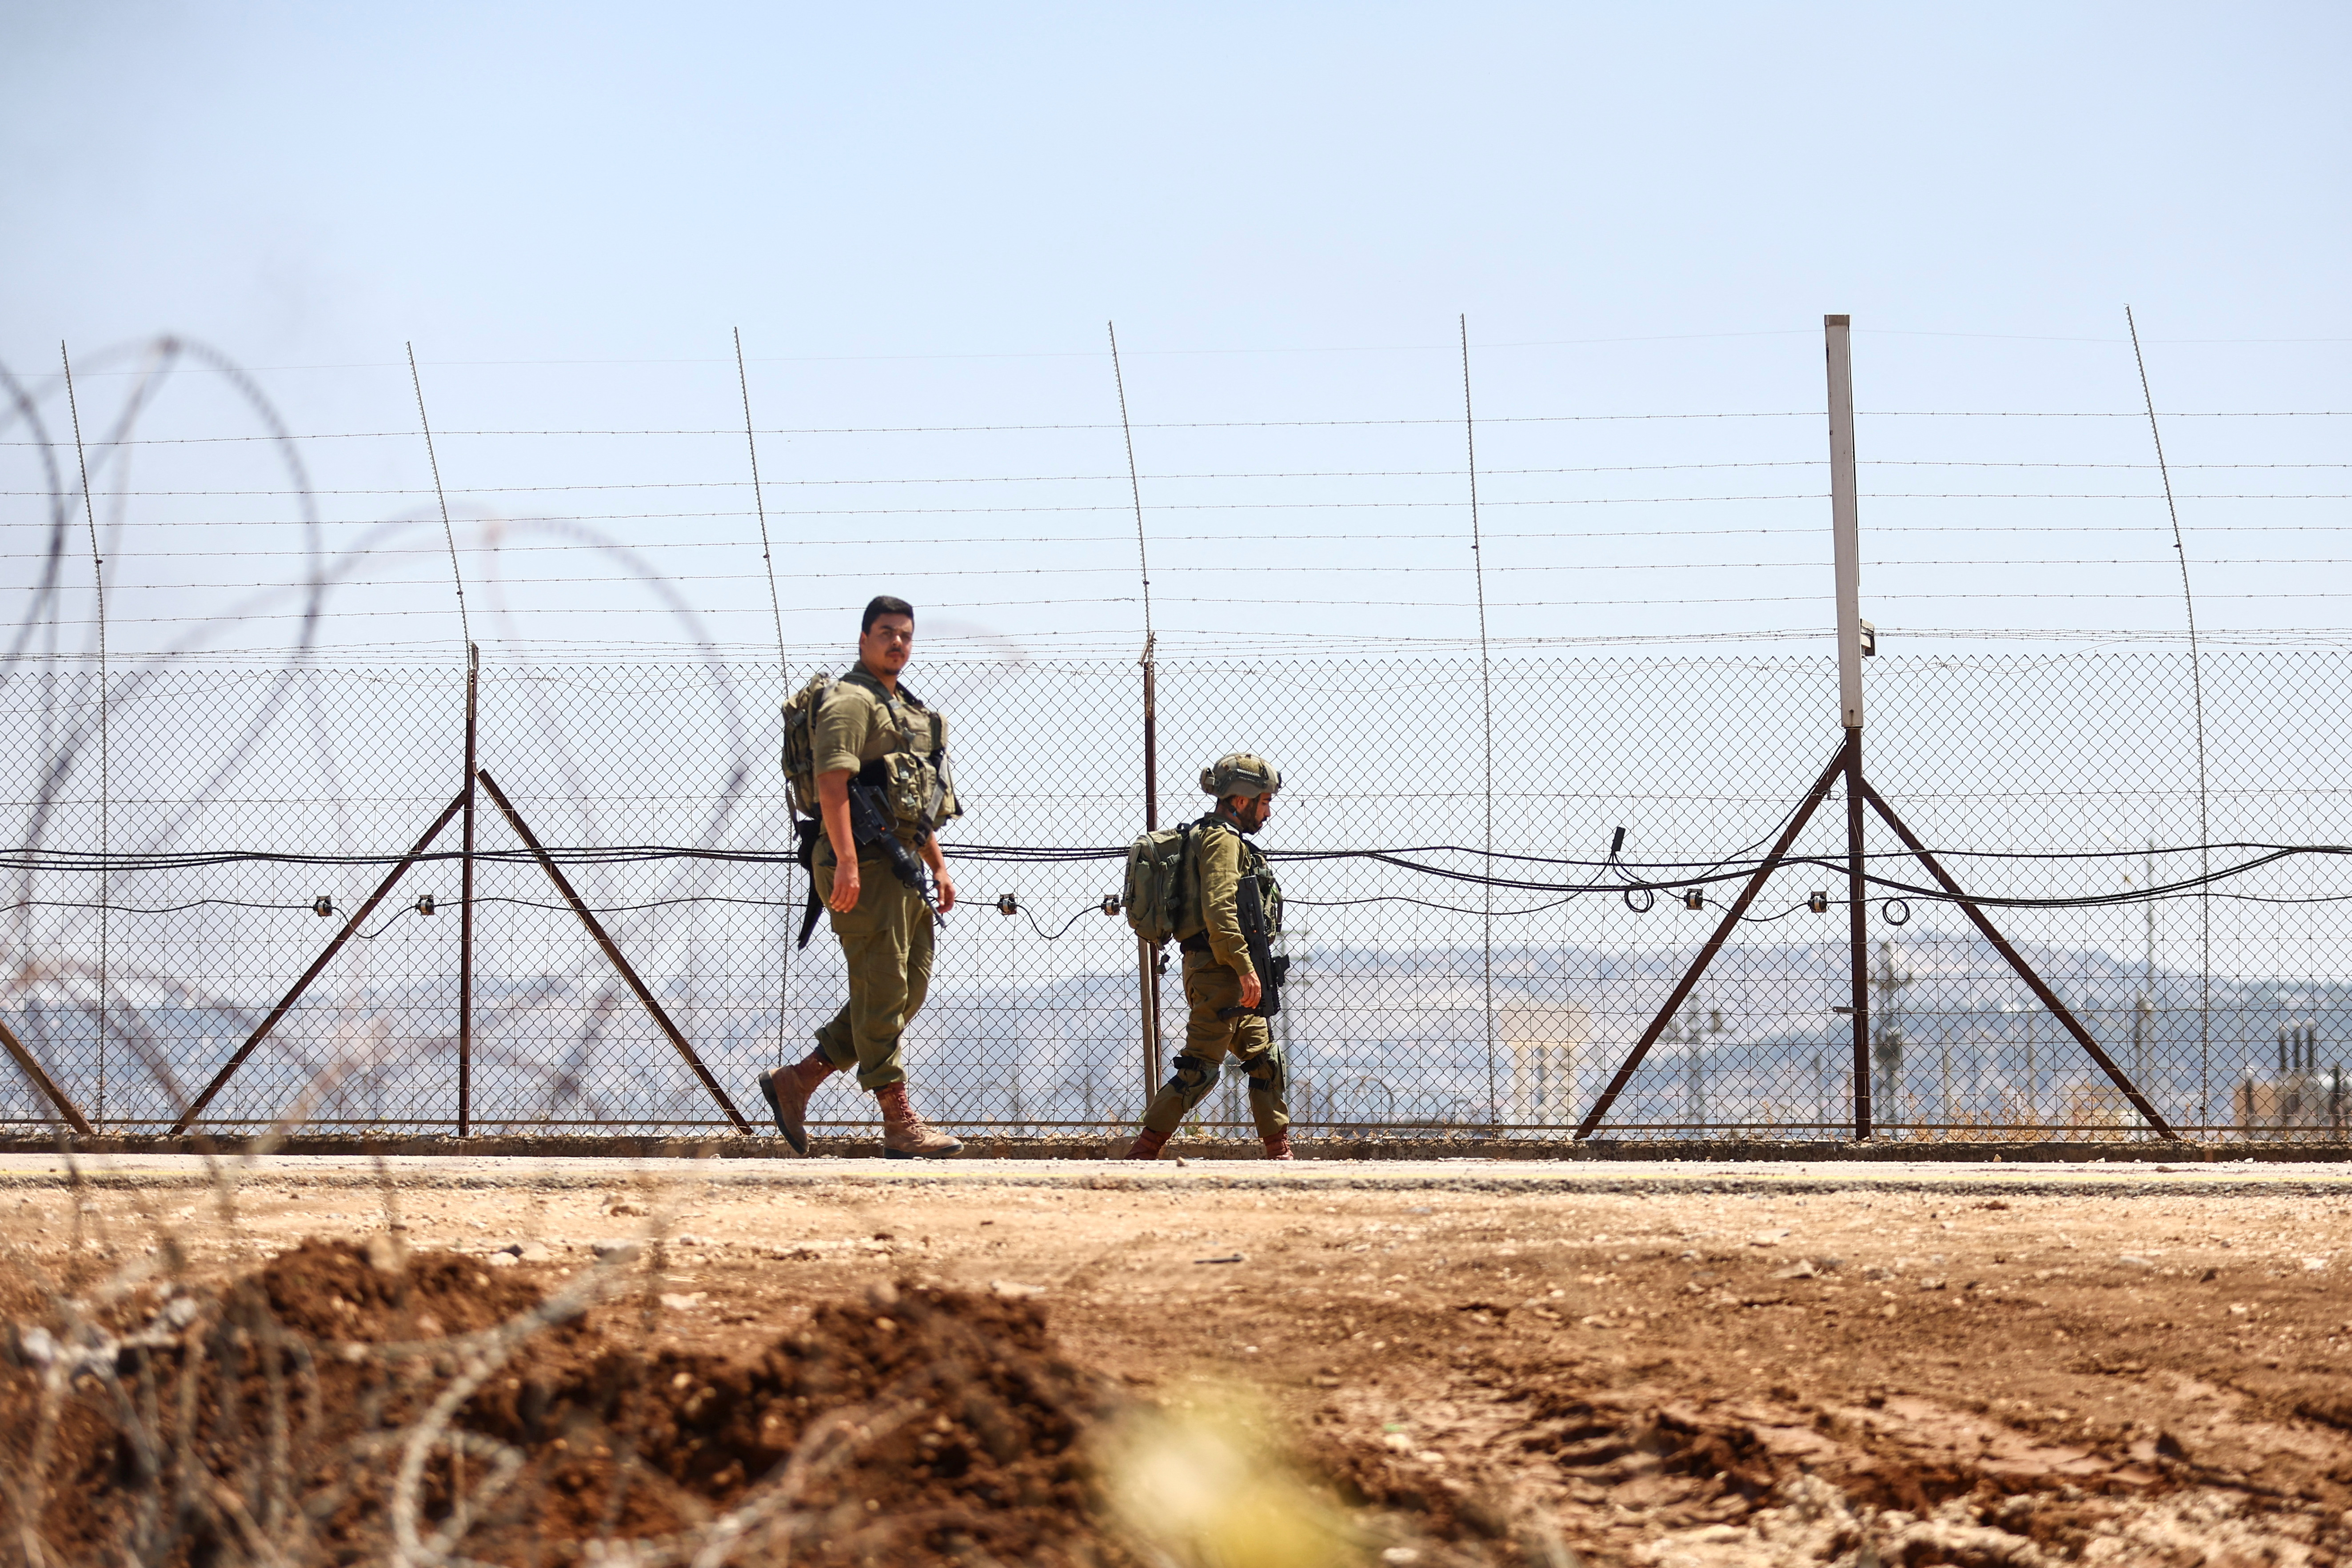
x=1243 y=773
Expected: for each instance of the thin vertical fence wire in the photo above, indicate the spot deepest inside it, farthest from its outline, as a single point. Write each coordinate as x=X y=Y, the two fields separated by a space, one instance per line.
x=1147 y=974
x=2041 y=781
x=2196 y=673
x=441 y=496
x=783 y=660
x=1485 y=711
x=1134 y=488
x=105 y=790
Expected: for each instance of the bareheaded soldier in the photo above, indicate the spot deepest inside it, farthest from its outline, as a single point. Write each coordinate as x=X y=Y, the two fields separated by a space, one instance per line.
x=873 y=730
x=1218 y=977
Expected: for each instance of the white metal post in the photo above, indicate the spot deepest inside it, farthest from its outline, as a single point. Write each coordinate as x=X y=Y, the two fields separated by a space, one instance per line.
x=1844 y=521
x=1845 y=527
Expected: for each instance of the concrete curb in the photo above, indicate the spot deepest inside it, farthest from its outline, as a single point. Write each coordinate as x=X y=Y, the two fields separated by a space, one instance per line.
x=862 y=1144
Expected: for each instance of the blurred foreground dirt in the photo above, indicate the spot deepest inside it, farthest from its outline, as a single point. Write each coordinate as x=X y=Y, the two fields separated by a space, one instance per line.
x=1676 y=1378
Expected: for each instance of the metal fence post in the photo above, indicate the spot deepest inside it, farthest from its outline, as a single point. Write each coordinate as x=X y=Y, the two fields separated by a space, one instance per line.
x=1847 y=546
x=466 y=909
x=1148 y=957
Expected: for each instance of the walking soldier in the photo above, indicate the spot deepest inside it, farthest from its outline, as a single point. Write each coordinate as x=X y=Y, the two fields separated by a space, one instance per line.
x=868 y=767
x=1233 y=976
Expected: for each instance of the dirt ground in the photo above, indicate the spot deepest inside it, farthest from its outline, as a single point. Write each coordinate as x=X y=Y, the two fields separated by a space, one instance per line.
x=1786 y=1375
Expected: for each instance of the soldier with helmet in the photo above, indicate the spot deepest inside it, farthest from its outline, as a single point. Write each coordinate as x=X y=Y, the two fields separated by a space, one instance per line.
x=1222 y=982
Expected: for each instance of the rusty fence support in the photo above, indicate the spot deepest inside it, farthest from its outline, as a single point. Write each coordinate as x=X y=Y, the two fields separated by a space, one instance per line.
x=2025 y=972
x=1771 y=863
x=326 y=955
x=28 y=1063
x=611 y=949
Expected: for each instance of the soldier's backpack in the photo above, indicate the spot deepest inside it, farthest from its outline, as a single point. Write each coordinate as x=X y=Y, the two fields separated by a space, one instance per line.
x=1155 y=895
x=800 y=742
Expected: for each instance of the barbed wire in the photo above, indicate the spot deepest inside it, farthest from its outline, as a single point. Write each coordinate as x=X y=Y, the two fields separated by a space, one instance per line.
x=1792 y=533
x=1241 y=425
x=386 y=659
x=1647 y=602
x=416 y=492
x=1438 y=505
x=1446 y=348
x=1276 y=571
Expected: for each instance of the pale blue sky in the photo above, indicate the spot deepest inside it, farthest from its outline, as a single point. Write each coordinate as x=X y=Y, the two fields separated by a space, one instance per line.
x=923 y=216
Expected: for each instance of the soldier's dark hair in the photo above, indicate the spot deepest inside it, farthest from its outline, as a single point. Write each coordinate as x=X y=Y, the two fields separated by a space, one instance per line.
x=882 y=605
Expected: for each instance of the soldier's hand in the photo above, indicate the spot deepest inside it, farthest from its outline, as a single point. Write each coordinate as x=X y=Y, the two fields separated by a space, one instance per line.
x=1252 y=991
x=946 y=884
x=844 y=897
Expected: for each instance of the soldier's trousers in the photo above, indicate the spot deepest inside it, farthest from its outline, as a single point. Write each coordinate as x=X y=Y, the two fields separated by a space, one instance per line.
x=1208 y=1040
x=886 y=944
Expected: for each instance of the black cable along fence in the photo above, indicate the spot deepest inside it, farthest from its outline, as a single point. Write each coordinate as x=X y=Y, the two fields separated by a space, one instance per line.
x=251 y=812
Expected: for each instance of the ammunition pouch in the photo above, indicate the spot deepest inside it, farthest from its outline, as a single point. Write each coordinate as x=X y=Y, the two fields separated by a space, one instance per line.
x=913 y=782
x=909 y=790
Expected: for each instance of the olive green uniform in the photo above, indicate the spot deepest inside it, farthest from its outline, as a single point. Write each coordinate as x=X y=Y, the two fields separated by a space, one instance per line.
x=1216 y=956
x=898 y=744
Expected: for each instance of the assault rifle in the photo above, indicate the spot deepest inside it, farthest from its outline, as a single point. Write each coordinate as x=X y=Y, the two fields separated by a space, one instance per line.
x=1249 y=906
x=869 y=824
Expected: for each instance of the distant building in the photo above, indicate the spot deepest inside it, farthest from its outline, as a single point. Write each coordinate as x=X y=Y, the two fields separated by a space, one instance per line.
x=2301 y=1103
x=1543 y=1042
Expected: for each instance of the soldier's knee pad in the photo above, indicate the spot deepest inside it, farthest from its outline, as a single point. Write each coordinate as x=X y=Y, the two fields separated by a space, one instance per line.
x=1268 y=1073
x=1193 y=1079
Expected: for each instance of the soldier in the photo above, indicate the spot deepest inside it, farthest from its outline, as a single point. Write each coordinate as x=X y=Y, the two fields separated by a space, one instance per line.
x=1219 y=975
x=873 y=730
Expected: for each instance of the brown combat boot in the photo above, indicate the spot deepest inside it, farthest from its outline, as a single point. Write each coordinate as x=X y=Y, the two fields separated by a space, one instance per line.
x=787 y=1092
x=1278 y=1146
x=907 y=1136
x=1148 y=1144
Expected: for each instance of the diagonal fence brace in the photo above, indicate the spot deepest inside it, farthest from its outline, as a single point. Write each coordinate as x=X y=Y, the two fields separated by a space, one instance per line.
x=1771 y=863
x=31 y=1067
x=612 y=950
x=2025 y=971
x=286 y=1002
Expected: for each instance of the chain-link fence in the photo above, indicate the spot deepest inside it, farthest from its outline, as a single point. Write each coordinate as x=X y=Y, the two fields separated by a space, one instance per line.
x=1468 y=955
